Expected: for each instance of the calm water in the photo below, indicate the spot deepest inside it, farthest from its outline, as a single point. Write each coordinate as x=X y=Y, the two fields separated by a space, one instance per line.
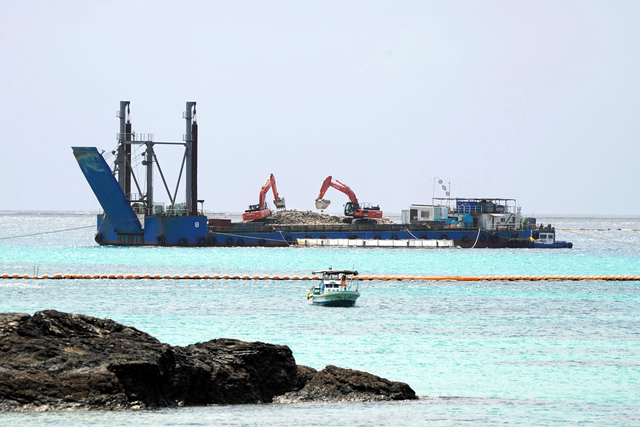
x=530 y=353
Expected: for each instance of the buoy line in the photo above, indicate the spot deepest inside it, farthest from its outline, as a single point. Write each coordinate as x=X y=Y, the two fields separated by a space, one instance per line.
x=58 y=231
x=286 y=277
x=47 y=232
x=602 y=238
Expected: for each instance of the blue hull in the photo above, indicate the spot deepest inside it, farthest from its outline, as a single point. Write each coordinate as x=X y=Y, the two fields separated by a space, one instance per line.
x=556 y=245
x=463 y=237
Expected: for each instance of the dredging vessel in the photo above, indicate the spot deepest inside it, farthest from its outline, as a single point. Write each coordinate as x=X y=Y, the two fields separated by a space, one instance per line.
x=135 y=218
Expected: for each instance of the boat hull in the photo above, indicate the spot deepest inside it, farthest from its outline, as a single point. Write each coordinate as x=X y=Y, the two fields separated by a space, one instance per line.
x=336 y=299
x=283 y=236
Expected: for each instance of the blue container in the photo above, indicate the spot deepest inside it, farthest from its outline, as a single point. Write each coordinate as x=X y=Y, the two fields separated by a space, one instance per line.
x=466 y=206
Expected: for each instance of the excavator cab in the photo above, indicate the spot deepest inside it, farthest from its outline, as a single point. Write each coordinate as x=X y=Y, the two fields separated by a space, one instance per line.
x=350 y=208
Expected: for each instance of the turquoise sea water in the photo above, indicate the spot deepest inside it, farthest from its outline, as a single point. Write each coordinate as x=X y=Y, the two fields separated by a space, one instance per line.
x=529 y=353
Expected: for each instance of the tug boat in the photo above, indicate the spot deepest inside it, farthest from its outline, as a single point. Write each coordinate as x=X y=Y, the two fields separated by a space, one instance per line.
x=333 y=290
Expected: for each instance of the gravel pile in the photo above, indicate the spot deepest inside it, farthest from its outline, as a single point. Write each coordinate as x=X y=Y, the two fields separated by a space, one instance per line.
x=294 y=216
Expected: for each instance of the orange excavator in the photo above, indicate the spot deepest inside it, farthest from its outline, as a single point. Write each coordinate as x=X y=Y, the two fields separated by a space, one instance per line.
x=261 y=210
x=352 y=208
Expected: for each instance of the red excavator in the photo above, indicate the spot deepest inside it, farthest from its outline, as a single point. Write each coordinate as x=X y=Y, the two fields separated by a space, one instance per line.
x=261 y=210
x=352 y=209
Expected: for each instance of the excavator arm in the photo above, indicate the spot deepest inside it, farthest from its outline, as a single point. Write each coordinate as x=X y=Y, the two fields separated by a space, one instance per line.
x=330 y=182
x=352 y=209
x=261 y=210
x=277 y=201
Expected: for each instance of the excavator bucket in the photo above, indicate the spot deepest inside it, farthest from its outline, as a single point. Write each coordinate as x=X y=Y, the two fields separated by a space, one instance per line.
x=279 y=203
x=322 y=204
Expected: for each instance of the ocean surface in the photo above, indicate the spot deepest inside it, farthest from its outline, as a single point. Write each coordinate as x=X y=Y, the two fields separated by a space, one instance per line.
x=516 y=353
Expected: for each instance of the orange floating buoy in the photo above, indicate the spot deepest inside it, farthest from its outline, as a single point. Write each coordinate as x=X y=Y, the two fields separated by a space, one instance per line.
x=147 y=276
x=176 y=276
x=25 y=276
x=315 y=278
x=256 y=277
x=215 y=276
x=246 y=277
x=5 y=276
x=295 y=278
x=236 y=277
x=226 y=276
x=45 y=276
x=196 y=276
x=305 y=277
x=206 y=276
x=96 y=276
x=67 y=276
x=128 y=276
x=157 y=276
x=275 y=278
x=265 y=277
x=285 y=277
x=166 y=276
x=186 y=276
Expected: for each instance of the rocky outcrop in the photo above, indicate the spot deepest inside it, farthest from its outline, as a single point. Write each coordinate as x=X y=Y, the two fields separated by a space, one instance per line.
x=55 y=360
x=333 y=383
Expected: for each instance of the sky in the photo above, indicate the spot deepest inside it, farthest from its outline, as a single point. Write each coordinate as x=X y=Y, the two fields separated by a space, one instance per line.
x=536 y=101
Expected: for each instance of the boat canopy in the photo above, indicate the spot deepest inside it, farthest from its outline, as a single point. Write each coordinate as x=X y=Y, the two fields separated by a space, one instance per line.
x=338 y=272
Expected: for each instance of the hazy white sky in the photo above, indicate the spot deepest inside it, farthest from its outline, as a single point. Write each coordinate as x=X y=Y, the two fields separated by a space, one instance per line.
x=537 y=101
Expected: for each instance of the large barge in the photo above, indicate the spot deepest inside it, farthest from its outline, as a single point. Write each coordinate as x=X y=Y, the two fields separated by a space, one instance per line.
x=135 y=218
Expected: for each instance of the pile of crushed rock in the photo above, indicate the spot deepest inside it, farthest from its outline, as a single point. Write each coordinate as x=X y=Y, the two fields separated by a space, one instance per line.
x=297 y=217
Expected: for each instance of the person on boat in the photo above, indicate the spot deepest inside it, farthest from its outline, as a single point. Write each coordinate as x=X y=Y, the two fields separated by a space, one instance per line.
x=343 y=280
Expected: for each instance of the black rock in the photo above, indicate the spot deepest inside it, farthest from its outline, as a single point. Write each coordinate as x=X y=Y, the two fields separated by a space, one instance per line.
x=55 y=360
x=334 y=383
